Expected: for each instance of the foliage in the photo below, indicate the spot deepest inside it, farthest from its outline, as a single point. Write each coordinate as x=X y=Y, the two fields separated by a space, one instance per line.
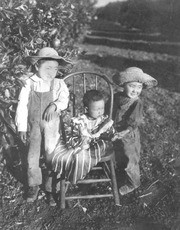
x=27 y=26
x=148 y=15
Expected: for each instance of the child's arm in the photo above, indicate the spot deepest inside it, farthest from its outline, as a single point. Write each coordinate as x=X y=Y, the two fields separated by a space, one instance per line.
x=79 y=121
x=79 y=135
x=62 y=95
x=61 y=103
x=22 y=110
x=120 y=135
x=132 y=119
x=136 y=117
x=23 y=136
x=107 y=125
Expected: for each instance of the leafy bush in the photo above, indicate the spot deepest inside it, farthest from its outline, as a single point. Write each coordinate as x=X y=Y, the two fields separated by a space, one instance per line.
x=28 y=25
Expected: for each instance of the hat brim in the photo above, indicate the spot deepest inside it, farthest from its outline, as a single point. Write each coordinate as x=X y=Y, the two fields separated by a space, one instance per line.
x=149 y=81
x=121 y=78
x=62 y=61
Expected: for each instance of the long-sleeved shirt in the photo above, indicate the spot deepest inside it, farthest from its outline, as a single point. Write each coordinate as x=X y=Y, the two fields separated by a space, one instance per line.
x=127 y=113
x=60 y=98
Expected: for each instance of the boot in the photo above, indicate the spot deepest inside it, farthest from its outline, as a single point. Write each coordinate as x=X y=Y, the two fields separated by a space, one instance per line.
x=51 y=199
x=32 y=193
x=126 y=189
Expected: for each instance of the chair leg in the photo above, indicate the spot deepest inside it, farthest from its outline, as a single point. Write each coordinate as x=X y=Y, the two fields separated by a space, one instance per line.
x=62 y=193
x=114 y=183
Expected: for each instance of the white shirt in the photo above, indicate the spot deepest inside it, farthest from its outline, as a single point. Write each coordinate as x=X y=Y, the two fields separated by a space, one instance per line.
x=60 y=98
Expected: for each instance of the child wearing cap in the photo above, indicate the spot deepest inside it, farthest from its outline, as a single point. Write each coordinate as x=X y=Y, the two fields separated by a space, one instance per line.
x=41 y=101
x=128 y=116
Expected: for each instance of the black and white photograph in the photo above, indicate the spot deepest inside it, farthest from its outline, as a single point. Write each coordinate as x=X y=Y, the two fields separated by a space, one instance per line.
x=89 y=114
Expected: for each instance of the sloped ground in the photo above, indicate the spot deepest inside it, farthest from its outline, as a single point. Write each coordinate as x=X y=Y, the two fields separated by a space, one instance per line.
x=155 y=204
x=155 y=46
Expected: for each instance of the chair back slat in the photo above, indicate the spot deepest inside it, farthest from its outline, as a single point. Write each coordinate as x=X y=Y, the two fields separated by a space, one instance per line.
x=84 y=83
x=80 y=82
x=74 y=98
x=96 y=82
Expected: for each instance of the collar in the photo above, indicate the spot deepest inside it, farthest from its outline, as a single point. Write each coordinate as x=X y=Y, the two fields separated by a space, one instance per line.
x=125 y=100
x=93 y=119
x=35 y=78
x=88 y=117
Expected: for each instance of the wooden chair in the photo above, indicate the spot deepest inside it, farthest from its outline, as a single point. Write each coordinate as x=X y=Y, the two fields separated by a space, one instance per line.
x=79 y=83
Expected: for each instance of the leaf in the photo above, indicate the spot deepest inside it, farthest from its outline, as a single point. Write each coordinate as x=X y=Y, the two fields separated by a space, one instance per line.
x=20 y=31
x=10 y=5
x=7 y=93
x=15 y=59
x=21 y=7
x=21 y=82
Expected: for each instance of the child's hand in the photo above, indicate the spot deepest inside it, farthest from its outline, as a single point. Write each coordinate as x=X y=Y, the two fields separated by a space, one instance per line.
x=23 y=137
x=84 y=132
x=120 y=135
x=77 y=121
x=49 y=112
x=82 y=126
x=103 y=129
x=87 y=146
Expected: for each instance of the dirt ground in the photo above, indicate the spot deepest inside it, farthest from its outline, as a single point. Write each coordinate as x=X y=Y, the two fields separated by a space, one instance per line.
x=155 y=204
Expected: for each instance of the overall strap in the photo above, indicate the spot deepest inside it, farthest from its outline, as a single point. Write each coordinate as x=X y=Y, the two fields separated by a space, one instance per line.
x=62 y=128
x=52 y=85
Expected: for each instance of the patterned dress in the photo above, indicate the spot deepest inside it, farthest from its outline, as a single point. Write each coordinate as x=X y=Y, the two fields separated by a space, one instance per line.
x=81 y=153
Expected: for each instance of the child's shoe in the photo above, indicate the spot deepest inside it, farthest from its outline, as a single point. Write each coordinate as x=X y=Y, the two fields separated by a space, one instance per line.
x=126 y=189
x=32 y=193
x=51 y=199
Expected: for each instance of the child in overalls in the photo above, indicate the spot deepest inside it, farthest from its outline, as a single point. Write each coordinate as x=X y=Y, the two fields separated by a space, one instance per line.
x=90 y=140
x=41 y=101
x=128 y=116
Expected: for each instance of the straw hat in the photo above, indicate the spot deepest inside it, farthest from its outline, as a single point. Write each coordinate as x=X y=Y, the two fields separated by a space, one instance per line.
x=132 y=74
x=48 y=53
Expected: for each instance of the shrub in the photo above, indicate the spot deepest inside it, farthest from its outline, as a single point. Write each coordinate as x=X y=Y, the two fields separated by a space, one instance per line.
x=28 y=25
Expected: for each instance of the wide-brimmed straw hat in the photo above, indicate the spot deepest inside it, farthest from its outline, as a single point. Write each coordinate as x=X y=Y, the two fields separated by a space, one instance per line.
x=48 y=53
x=134 y=74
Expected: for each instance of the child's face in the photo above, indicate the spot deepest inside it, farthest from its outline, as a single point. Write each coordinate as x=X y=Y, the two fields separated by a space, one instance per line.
x=47 y=70
x=133 y=89
x=96 y=108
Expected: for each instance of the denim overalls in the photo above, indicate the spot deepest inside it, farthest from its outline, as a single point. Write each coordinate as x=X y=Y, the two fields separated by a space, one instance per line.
x=40 y=131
